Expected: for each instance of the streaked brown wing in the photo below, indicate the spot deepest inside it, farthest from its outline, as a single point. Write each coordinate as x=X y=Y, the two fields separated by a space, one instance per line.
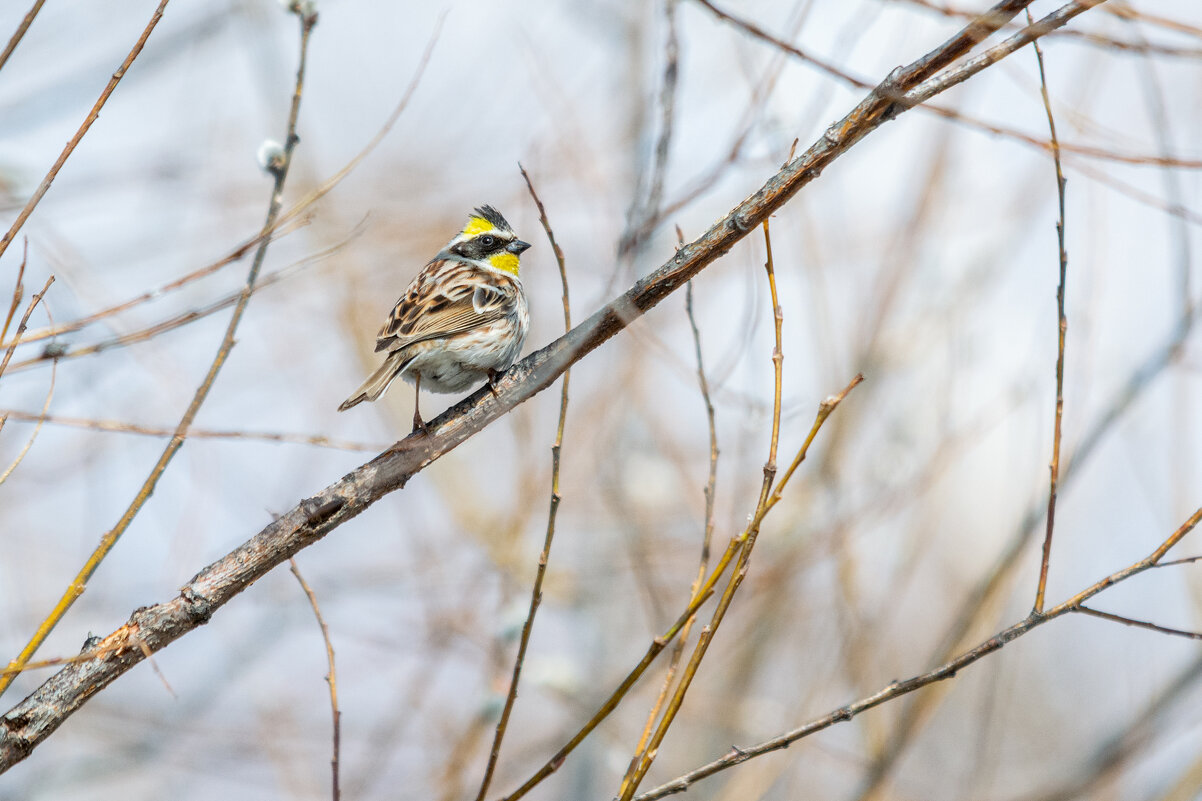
x=445 y=299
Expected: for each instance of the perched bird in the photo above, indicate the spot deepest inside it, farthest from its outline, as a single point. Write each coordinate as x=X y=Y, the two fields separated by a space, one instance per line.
x=462 y=320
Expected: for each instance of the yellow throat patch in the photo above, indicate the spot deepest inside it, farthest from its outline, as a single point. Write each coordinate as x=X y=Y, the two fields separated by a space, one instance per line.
x=505 y=261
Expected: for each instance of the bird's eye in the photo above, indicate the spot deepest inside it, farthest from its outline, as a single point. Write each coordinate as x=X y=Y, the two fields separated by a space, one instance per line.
x=488 y=240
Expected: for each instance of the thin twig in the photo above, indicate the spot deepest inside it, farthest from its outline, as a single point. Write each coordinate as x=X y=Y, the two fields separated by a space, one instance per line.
x=1126 y=11
x=119 y=427
x=8 y=353
x=79 y=584
x=1187 y=560
x=761 y=93
x=87 y=654
x=1062 y=328
x=40 y=418
x=331 y=677
x=18 y=293
x=711 y=480
x=648 y=743
x=154 y=665
x=536 y=592
x=19 y=33
x=824 y=411
x=778 y=358
x=83 y=129
x=945 y=671
x=1143 y=624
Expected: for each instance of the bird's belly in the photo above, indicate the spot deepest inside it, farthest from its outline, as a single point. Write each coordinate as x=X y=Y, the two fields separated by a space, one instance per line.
x=464 y=361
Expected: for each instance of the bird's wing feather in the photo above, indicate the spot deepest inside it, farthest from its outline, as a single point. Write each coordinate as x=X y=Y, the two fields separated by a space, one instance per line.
x=445 y=299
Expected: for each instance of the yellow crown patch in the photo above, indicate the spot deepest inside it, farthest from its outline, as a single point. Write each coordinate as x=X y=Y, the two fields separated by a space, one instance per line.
x=477 y=225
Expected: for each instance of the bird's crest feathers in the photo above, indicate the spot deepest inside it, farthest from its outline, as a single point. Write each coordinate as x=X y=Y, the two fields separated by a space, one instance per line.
x=485 y=219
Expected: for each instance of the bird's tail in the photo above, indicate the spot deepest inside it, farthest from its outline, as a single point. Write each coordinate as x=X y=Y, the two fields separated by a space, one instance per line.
x=378 y=381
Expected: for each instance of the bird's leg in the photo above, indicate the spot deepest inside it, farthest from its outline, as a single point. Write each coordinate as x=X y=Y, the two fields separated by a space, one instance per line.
x=493 y=375
x=418 y=423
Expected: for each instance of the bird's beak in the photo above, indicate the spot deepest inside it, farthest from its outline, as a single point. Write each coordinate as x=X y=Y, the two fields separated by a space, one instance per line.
x=517 y=247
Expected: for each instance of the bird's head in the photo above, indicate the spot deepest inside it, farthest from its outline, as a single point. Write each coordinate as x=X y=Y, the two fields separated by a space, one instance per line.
x=488 y=239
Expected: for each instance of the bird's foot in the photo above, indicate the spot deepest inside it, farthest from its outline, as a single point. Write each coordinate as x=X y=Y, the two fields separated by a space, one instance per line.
x=493 y=377
x=419 y=425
